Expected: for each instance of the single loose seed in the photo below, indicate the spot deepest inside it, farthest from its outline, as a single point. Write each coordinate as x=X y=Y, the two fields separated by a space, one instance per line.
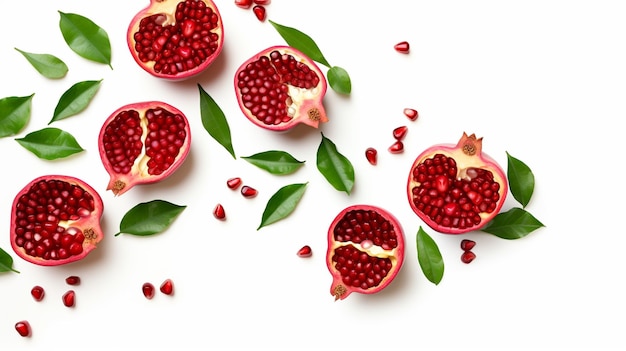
x=400 y=132
x=467 y=257
x=148 y=290
x=248 y=191
x=72 y=280
x=233 y=183
x=259 y=12
x=397 y=147
x=167 y=287
x=219 y=212
x=411 y=114
x=371 y=155
x=305 y=251
x=402 y=47
x=37 y=292
x=23 y=328
x=467 y=245
x=69 y=298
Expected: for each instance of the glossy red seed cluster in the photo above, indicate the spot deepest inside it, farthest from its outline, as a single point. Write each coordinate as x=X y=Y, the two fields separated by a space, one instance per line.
x=358 y=269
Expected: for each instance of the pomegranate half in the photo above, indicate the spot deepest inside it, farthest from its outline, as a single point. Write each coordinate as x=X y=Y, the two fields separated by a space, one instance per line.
x=456 y=189
x=279 y=88
x=365 y=250
x=174 y=39
x=55 y=219
x=143 y=143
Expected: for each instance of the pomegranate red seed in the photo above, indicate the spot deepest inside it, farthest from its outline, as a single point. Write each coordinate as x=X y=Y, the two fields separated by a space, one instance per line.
x=219 y=212
x=371 y=155
x=244 y=4
x=467 y=245
x=233 y=183
x=148 y=290
x=305 y=251
x=167 y=287
x=247 y=191
x=397 y=147
x=467 y=257
x=400 y=132
x=69 y=298
x=411 y=114
x=23 y=328
x=37 y=292
x=259 y=12
x=262 y=2
x=72 y=280
x=402 y=47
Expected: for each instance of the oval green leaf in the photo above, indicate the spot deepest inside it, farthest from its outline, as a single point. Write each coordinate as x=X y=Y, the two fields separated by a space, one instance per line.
x=75 y=99
x=513 y=224
x=429 y=257
x=50 y=143
x=521 y=180
x=85 y=38
x=148 y=218
x=302 y=42
x=339 y=80
x=6 y=262
x=282 y=203
x=334 y=166
x=275 y=162
x=47 y=65
x=214 y=121
x=14 y=114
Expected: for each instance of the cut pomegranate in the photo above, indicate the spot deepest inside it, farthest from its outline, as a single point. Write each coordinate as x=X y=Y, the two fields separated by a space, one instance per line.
x=56 y=220
x=244 y=4
x=37 y=293
x=219 y=213
x=467 y=245
x=371 y=155
x=279 y=88
x=143 y=143
x=233 y=183
x=259 y=12
x=23 y=328
x=411 y=114
x=72 y=280
x=365 y=250
x=397 y=147
x=455 y=189
x=175 y=39
x=69 y=298
x=402 y=47
x=148 y=290
x=467 y=257
x=305 y=251
x=248 y=191
x=167 y=287
x=400 y=132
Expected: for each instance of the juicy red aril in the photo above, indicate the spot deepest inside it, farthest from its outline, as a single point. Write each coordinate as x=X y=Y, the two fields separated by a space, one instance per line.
x=262 y=2
x=259 y=12
x=411 y=114
x=167 y=287
x=233 y=183
x=467 y=257
x=358 y=269
x=72 y=280
x=305 y=251
x=219 y=212
x=248 y=191
x=400 y=132
x=363 y=225
x=244 y=4
x=37 y=292
x=23 y=328
x=69 y=298
x=402 y=47
x=148 y=290
x=467 y=245
x=371 y=155
x=397 y=147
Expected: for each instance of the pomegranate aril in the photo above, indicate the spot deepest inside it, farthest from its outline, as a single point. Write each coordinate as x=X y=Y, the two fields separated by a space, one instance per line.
x=248 y=191
x=244 y=4
x=467 y=257
x=37 y=292
x=397 y=147
x=167 y=287
x=467 y=245
x=402 y=47
x=72 y=280
x=219 y=212
x=262 y=2
x=400 y=132
x=305 y=251
x=69 y=298
x=233 y=183
x=371 y=155
x=411 y=114
x=23 y=328
x=148 y=290
x=259 y=12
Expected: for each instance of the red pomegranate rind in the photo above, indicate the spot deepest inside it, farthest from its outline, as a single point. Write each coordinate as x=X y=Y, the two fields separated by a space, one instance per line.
x=281 y=87
x=143 y=143
x=365 y=250
x=174 y=39
x=456 y=189
x=55 y=220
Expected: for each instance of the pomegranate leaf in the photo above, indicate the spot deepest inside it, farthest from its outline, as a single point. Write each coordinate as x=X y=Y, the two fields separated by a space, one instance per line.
x=47 y=65
x=50 y=143
x=275 y=162
x=302 y=42
x=429 y=257
x=85 y=38
x=14 y=114
x=6 y=262
x=521 y=180
x=339 y=80
x=214 y=121
x=334 y=166
x=75 y=99
x=282 y=203
x=148 y=218
x=513 y=224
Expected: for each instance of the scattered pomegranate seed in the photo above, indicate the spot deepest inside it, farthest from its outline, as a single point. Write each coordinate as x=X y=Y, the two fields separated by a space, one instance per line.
x=148 y=290
x=219 y=212
x=400 y=132
x=259 y=12
x=37 y=292
x=233 y=183
x=372 y=155
x=397 y=147
x=69 y=298
x=262 y=2
x=248 y=191
x=467 y=257
x=72 y=280
x=411 y=113
x=244 y=4
x=23 y=328
x=402 y=47
x=305 y=251
x=167 y=287
x=467 y=245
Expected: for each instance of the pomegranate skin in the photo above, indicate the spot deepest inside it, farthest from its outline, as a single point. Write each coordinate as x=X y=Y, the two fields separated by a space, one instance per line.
x=448 y=193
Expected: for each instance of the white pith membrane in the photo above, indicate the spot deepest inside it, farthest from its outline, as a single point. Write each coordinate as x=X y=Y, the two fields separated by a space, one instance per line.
x=298 y=96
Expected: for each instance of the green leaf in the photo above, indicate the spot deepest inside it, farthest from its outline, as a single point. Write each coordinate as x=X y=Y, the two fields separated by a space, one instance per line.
x=47 y=65
x=275 y=162
x=429 y=257
x=282 y=203
x=75 y=99
x=14 y=114
x=148 y=218
x=214 y=121
x=513 y=224
x=50 y=143
x=302 y=42
x=85 y=38
x=339 y=80
x=334 y=166
x=521 y=180
x=6 y=262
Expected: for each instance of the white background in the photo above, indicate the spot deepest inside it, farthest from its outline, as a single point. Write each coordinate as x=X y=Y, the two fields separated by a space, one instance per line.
x=543 y=80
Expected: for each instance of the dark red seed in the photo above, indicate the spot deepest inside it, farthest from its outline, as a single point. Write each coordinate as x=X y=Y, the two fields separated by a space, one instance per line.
x=247 y=191
x=233 y=183
x=402 y=47
x=244 y=4
x=411 y=114
x=72 y=280
x=467 y=257
x=37 y=292
x=259 y=12
x=400 y=132
x=23 y=328
x=69 y=298
x=219 y=212
x=467 y=244
x=167 y=287
x=397 y=147
x=371 y=155
x=262 y=2
x=305 y=251
x=148 y=290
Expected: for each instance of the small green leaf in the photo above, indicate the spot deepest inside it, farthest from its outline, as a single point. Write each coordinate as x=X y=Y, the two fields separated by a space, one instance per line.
x=339 y=80
x=50 y=143
x=75 y=99
x=429 y=257
x=513 y=224
x=14 y=114
x=334 y=166
x=521 y=180
x=275 y=162
x=282 y=203
x=6 y=262
x=214 y=121
x=148 y=218
x=47 y=65
x=85 y=38
x=302 y=42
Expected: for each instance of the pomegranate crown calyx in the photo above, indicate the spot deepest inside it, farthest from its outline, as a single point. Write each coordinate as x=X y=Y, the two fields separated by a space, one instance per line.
x=470 y=145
